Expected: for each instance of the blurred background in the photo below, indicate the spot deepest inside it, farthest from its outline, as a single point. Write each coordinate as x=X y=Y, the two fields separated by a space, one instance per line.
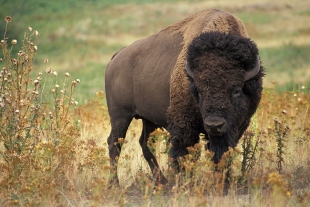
x=80 y=37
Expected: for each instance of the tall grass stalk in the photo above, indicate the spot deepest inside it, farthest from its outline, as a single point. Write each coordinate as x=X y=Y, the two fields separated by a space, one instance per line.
x=281 y=132
x=35 y=136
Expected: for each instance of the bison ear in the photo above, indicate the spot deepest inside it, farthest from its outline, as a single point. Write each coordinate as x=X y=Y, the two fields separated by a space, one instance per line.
x=254 y=71
x=188 y=71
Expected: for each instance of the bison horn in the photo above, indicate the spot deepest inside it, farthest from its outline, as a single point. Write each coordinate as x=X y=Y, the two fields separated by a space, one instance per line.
x=254 y=71
x=188 y=71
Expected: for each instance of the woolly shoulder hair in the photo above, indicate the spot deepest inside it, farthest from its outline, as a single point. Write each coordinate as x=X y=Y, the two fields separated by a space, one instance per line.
x=232 y=46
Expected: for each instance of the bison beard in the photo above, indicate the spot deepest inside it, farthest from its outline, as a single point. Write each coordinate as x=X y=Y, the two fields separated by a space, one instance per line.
x=219 y=145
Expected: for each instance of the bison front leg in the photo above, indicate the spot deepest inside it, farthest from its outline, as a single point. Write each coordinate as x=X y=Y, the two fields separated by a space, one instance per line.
x=180 y=140
x=184 y=125
x=119 y=126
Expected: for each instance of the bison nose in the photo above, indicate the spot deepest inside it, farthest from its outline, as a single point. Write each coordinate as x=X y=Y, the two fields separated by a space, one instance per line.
x=215 y=125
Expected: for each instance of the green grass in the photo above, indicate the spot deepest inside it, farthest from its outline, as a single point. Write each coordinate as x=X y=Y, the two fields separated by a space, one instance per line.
x=87 y=89
x=305 y=13
x=294 y=86
x=81 y=36
x=287 y=58
x=257 y=17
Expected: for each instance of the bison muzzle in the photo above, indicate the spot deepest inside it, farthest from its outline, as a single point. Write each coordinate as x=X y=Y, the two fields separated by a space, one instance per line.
x=201 y=75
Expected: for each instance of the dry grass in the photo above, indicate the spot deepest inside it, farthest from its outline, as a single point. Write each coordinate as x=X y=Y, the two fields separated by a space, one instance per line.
x=265 y=184
x=65 y=159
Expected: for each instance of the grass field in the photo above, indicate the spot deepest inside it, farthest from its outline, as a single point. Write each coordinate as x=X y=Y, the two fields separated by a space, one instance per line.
x=82 y=36
x=57 y=156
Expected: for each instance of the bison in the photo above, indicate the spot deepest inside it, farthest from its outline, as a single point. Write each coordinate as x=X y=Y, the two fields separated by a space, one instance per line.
x=200 y=75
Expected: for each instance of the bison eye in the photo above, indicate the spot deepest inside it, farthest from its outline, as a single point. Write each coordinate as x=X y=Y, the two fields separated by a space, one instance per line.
x=237 y=92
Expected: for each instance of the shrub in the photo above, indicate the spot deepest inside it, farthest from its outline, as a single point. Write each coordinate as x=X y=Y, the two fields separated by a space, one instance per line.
x=36 y=137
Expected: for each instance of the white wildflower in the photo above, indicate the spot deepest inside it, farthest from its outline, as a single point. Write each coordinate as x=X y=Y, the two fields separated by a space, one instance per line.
x=48 y=70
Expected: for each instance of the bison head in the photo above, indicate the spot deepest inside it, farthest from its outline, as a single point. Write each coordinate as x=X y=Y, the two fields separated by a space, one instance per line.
x=226 y=81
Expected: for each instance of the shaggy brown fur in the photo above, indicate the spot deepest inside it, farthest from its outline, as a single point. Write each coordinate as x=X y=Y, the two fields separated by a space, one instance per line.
x=183 y=112
x=218 y=62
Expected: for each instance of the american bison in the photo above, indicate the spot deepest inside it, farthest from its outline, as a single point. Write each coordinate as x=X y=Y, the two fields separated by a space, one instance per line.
x=200 y=75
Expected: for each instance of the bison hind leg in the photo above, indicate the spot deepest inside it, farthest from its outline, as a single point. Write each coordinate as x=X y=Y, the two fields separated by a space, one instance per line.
x=119 y=123
x=149 y=127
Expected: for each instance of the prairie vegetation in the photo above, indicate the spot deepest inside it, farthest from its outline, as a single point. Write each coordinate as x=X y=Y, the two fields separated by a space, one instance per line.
x=54 y=121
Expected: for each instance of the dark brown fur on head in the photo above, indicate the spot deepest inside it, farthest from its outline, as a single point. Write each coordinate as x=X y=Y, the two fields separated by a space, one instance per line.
x=218 y=63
